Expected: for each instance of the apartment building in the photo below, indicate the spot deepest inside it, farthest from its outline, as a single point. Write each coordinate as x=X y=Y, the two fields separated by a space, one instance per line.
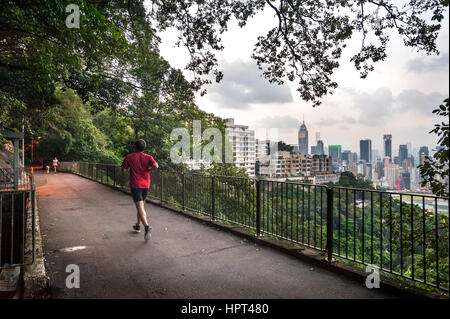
x=242 y=144
x=261 y=148
x=320 y=164
x=285 y=164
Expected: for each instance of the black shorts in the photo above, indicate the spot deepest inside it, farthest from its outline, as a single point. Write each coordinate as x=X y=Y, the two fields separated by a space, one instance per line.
x=139 y=194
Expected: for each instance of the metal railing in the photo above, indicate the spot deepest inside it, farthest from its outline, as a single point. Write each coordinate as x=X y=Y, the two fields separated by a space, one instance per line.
x=7 y=178
x=406 y=235
x=17 y=223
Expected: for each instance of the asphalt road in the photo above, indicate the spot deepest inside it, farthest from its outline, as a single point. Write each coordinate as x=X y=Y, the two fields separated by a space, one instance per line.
x=184 y=259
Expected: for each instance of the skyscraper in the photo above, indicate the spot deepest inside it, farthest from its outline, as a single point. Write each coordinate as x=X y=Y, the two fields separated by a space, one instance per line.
x=365 y=150
x=379 y=169
x=320 y=148
x=387 y=143
x=405 y=180
x=402 y=153
x=335 y=152
x=345 y=155
x=422 y=153
x=303 y=139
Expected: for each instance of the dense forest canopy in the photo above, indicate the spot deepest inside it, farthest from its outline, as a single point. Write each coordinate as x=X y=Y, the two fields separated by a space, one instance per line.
x=90 y=91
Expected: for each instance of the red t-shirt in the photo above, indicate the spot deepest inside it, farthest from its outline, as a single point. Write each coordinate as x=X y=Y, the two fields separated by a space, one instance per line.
x=139 y=164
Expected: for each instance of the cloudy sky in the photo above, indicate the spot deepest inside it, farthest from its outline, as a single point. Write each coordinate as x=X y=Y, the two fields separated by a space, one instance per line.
x=397 y=98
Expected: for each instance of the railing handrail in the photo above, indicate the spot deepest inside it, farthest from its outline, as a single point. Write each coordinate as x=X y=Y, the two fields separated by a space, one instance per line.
x=389 y=192
x=27 y=213
x=288 y=182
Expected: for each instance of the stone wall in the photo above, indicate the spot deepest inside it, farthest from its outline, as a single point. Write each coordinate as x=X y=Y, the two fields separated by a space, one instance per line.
x=7 y=155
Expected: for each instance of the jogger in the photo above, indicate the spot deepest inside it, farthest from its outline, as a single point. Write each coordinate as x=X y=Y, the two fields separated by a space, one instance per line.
x=55 y=164
x=140 y=166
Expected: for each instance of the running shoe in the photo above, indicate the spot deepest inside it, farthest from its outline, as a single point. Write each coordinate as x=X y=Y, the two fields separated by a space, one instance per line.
x=148 y=233
x=137 y=228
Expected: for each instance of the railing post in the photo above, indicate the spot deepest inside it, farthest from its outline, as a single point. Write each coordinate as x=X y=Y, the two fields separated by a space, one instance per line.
x=33 y=222
x=183 y=192
x=162 y=185
x=330 y=223
x=258 y=208
x=213 y=198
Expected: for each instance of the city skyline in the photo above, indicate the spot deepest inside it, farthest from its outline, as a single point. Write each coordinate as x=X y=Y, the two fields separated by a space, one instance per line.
x=395 y=147
x=396 y=98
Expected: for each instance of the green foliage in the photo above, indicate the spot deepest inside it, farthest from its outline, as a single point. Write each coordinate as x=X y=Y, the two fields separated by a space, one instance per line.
x=39 y=51
x=70 y=133
x=109 y=61
x=348 y=179
x=117 y=127
x=282 y=146
x=11 y=111
x=435 y=170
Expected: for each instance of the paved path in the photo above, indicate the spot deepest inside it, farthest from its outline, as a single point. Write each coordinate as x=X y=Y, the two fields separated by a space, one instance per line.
x=184 y=259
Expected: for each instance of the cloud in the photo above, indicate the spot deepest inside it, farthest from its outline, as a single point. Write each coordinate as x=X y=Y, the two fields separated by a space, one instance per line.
x=374 y=108
x=344 y=121
x=414 y=100
x=326 y=122
x=428 y=64
x=243 y=85
x=348 y=120
x=278 y=121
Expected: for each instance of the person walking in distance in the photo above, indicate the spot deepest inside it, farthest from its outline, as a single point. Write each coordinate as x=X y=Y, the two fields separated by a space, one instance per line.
x=55 y=164
x=140 y=165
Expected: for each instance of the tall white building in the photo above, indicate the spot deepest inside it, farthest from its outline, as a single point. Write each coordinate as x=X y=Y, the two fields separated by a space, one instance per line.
x=262 y=148
x=392 y=175
x=409 y=147
x=242 y=144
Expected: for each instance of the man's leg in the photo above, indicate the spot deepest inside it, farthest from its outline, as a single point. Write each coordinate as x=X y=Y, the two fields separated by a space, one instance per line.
x=138 y=223
x=141 y=214
x=143 y=217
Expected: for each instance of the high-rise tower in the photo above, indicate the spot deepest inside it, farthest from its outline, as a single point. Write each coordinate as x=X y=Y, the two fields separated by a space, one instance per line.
x=422 y=153
x=303 y=139
x=403 y=153
x=365 y=150
x=387 y=143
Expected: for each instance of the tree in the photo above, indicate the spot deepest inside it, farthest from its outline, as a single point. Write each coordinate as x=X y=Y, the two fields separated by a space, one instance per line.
x=109 y=60
x=348 y=179
x=435 y=170
x=282 y=146
x=70 y=133
x=308 y=37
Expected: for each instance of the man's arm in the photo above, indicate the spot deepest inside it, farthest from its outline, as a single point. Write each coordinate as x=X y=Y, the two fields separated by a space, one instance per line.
x=125 y=165
x=153 y=165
